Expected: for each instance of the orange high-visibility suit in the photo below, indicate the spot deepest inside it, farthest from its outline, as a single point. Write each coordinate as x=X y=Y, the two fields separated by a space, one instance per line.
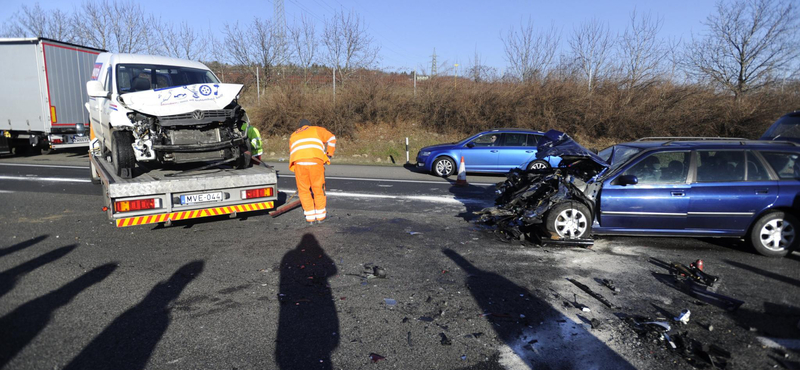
x=310 y=148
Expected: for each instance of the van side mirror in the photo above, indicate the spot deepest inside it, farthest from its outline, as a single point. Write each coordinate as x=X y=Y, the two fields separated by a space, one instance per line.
x=470 y=145
x=625 y=180
x=95 y=89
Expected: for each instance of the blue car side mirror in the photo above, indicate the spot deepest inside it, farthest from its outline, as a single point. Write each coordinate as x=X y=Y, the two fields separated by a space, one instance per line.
x=627 y=180
x=470 y=145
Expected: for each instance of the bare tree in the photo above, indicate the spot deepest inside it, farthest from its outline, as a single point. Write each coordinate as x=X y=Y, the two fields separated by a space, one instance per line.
x=304 y=43
x=641 y=51
x=479 y=72
x=37 y=22
x=93 y=25
x=348 y=45
x=749 y=44
x=591 y=45
x=181 y=41
x=529 y=53
x=255 y=47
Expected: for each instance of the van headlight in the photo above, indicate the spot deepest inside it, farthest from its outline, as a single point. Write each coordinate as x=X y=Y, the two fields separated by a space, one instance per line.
x=424 y=154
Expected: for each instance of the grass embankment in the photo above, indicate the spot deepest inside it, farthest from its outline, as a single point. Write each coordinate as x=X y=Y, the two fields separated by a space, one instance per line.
x=372 y=118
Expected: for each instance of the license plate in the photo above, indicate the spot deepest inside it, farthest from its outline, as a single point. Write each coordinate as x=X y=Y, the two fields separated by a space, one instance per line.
x=201 y=198
x=80 y=139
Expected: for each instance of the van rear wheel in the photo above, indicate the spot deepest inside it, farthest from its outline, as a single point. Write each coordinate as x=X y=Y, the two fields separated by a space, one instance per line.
x=122 y=156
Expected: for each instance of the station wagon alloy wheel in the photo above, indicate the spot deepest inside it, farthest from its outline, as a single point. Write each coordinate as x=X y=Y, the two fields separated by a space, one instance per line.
x=444 y=167
x=571 y=223
x=777 y=235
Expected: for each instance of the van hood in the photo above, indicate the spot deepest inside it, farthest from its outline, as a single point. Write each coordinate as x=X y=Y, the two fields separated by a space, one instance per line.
x=558 y=144
x=182 y=99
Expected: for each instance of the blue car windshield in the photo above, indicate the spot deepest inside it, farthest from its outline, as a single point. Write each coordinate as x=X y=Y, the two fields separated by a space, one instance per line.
x=618 y=155
x=786 y=127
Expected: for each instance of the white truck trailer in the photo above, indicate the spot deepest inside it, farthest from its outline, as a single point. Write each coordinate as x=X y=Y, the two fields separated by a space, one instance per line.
x=43 y=95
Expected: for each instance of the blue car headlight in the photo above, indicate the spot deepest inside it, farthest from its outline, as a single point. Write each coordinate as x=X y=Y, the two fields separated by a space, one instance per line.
x=424 y=154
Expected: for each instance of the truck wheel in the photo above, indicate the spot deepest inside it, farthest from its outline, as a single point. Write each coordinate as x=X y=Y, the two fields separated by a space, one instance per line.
x=569 y=220
x=775 y=234
x=122 y=156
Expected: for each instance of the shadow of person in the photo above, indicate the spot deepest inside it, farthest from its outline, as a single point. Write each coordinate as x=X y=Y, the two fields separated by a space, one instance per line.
x=8 y=278
x=537 y=333
x=22 y=245
x=474 y=198
x=20 y=326
x=308 y=327
x=130 y=339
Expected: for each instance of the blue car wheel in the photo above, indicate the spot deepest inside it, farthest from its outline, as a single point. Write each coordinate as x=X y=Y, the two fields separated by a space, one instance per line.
x=443 y=166
x=538 y=164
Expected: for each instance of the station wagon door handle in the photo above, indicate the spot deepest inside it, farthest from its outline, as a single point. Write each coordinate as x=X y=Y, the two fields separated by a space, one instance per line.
x=493 y=151
x=762 y=191
x=678 y=193
x=529 y=151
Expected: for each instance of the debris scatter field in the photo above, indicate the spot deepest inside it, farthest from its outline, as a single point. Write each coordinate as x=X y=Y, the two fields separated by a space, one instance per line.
x=385 y=283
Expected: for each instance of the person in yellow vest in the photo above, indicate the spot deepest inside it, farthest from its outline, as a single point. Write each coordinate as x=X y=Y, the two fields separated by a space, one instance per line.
x=254 y=137
x=310 y=149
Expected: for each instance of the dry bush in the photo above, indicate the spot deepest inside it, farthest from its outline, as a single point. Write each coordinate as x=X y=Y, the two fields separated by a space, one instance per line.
x=609 y=113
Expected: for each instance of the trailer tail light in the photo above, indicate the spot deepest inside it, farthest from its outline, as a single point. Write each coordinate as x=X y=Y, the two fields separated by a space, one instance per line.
x=57 y=141
x=256 y=193
x=53 y=114
x=136 y=205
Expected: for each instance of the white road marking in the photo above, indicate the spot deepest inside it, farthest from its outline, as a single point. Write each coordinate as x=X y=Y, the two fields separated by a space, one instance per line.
x=422 y=198
x=42 y=165
x=5 y=192
x=48 y=179
x=393 y=180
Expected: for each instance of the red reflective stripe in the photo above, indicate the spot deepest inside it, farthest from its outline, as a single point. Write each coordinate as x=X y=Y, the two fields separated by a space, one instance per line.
x=69 y=48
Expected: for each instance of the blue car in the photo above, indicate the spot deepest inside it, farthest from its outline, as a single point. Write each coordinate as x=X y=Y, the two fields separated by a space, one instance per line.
x=786 y=128
x=489 y=151
x=681 y=187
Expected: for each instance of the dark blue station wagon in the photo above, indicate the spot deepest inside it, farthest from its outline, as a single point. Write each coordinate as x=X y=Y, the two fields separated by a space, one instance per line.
x=733 y=188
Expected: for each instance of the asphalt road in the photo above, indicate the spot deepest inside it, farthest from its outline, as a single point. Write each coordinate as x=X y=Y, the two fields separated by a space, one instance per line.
x=257 y=292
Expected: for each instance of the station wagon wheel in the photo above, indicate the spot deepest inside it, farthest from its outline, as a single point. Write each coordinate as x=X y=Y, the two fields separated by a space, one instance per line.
x=569 y=220
x=538 y=164
x=444 y=167
x=775 y=234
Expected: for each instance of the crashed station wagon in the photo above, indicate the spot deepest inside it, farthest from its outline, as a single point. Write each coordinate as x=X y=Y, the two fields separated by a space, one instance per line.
x=692 y=187
x=165 y=110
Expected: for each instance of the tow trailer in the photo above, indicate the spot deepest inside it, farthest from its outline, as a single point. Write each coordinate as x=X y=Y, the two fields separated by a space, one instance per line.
x=164 y=195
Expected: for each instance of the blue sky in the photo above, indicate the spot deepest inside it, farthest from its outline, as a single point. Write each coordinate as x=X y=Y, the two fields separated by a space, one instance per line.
x=408 y=31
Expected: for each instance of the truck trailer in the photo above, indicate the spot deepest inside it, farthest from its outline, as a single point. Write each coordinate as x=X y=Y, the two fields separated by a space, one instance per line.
x=42 y=100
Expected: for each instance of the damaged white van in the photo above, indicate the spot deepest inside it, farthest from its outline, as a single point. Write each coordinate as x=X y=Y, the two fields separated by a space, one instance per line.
x=165 y=110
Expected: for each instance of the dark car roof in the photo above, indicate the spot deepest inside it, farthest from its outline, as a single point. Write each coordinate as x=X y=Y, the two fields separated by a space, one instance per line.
x=713 y=144
x=520 y=130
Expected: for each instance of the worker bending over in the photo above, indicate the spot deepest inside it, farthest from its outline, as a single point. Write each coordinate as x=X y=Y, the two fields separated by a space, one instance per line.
x=310 y=148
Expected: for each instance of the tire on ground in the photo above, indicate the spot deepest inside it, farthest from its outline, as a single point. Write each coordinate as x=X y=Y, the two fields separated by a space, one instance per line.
x=569 y=220
x=122 y=156
x=539 y=164
x=780 y=225
x=444 y=166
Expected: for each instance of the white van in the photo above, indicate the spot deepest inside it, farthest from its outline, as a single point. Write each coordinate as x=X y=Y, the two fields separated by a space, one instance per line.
x=148 y=108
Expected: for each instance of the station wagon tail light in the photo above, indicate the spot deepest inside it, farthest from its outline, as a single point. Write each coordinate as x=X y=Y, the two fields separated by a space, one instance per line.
x=256 y=193
x=136 y=205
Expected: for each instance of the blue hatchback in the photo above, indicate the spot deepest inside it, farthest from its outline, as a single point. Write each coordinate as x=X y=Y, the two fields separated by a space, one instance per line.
x=489 y=151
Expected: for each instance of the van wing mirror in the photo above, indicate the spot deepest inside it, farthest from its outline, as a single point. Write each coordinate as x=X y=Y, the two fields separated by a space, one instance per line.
x=627 y=180
x=95 y=89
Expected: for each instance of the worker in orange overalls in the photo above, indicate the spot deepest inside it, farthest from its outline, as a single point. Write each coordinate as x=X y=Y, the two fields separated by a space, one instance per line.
x=310 y=148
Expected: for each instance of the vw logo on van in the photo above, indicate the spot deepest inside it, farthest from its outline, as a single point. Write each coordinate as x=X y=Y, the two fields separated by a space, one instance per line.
x=198 y=115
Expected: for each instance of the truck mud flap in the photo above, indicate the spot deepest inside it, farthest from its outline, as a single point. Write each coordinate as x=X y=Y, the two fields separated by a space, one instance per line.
x=197 y=213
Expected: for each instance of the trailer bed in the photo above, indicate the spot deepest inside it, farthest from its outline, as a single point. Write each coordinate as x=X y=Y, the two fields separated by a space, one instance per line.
x=180 y=193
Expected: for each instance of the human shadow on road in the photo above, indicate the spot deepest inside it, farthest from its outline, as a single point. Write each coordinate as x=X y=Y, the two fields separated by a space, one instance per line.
x=555 y=342
x=308 y=327
x=474 y=198
x=8 y=278
x=129 y=341
x=22 y=245
x=20 y=326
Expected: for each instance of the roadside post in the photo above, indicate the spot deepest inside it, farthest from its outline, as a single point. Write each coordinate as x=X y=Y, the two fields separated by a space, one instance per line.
x=407 y=162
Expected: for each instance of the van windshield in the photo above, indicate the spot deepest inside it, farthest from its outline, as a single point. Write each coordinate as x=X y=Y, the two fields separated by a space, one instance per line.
x=142 y=77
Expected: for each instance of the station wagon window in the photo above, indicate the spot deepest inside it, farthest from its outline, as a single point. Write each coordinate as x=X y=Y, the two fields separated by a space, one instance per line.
x=533 y=140
x=510 y=139
x=785 y=164
x=661 y=168
x=720 y=166
x=756 y=171
x=486 y=140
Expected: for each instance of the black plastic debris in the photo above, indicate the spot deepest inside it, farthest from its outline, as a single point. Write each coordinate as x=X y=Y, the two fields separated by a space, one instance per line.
x=426 y=319
x=610 y=285
x=590 y=292
x=374 y=357
x=445 y=340
x=379 y=272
